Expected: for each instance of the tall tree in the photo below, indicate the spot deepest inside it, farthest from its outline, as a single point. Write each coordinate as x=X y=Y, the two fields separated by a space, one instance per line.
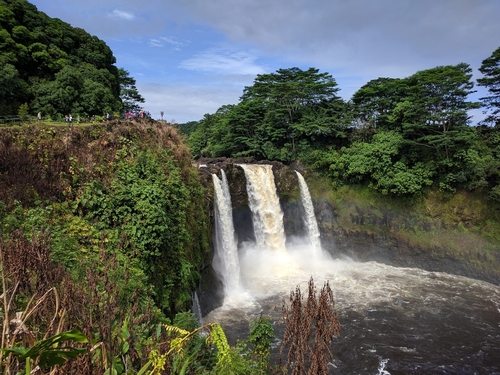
x=435 y=112
x=440 y=95
x=246 y=123
x=129 y=94
x=375 y=101
x=435 y=118
x=287 y=92
x=490 y=68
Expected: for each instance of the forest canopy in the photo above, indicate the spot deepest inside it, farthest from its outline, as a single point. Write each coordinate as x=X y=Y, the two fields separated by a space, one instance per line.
x=397 y=135
x=57 y=69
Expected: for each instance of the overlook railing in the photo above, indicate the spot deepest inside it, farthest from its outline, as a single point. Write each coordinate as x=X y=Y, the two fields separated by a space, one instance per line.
x=12 y=119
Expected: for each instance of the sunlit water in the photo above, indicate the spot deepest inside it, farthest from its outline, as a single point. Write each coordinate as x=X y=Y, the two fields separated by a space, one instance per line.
x=263 y=201
x=394 y=320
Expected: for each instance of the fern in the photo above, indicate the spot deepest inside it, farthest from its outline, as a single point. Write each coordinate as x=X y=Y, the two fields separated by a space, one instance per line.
x=219 y=339
x=176 y=330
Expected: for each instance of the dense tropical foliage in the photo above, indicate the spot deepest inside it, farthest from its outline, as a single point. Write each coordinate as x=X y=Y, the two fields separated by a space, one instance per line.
x=57 y=69
x=126 y=197
x=101 y=229
x=107 y=228
x=398 y=135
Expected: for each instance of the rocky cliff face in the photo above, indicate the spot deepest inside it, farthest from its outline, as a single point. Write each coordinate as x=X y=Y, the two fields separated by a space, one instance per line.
x=371 y=235
x=362 y=243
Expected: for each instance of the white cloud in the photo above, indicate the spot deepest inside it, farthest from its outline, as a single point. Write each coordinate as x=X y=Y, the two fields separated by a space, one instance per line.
x=155 y=43
x=360 y=35
x=117 y=13
x=163 y=40
x=354 y=40
x=173 y=41
x=224 y=61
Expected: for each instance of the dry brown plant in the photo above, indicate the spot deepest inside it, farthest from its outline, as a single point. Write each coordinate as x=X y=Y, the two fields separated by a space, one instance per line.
x=309 y=331
x=40 y=299
x=31 y=308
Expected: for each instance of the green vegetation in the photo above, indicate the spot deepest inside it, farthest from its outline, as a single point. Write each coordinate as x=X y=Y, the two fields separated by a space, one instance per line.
x=50 y=67
x=276 y=118
x=401 y=159
x=401 y=137
x=120 y=331
x=105 y=229
x=128 y=189
x=101 y=230
x=490 y=68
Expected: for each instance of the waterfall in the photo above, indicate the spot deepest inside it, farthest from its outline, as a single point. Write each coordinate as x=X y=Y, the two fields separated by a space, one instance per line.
x=197 y=309
x=462 y=313
x=309 y=218
x=263 y=200
x=226 y=262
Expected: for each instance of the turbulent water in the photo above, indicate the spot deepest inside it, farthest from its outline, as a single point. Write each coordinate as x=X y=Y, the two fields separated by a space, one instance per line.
x=266 y=211
x=393 y=320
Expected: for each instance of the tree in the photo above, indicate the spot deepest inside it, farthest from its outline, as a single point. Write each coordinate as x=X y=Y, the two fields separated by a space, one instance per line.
x=245 y=122
x=326 y=123
x=60 y=96
x=383 y=165
x=96 y=98
x=375 y=101
x=188 y=127
x=128 y=92
x=434 y=118
x=435 y=105
x=12 y=88
x=48 y=64
x=439 y=96
x=490 y=68
x=198 y=139
x=286 y=94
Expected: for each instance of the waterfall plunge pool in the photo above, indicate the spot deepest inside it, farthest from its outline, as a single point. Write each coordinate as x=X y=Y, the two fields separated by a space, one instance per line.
x=393 y=320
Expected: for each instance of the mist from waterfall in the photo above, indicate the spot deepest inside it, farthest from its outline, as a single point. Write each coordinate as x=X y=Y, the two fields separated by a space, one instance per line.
x=394 y=320
x=309 y=218
x=226 y=262
x=263 y=201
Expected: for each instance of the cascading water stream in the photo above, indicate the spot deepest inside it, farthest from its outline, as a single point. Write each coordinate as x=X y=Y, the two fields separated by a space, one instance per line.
x=226 y=262
x=197 y=308
x=264 y=203
x=310 y=218
x=394 y=320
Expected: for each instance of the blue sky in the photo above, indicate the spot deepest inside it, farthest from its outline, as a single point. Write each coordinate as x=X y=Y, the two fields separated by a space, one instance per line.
x=190 y=57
